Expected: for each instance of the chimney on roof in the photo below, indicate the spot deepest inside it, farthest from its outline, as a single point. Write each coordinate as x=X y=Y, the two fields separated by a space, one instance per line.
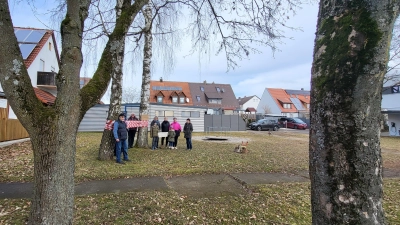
x=161 y=80
x=204 y=82
x=302 y=89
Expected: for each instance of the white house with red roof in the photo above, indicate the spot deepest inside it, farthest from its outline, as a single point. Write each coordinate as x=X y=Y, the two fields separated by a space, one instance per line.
x=249 y=103
x=290 y=103
x=39 y=51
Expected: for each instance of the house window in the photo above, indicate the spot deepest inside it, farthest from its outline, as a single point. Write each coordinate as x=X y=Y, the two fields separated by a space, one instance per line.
x=286 y=106
x=182 y=100
x=174 y=99
x=308 y=106
x=214 y=101
x=195 y=114
x=49 y=46
x=160 y=99
x=192 y=114
x=169 y=113
x=41 y=66
x=53 y=69
x=160 y=113
x=222 y=90
x=218 y=90
x=202 y=88
x=198 y=98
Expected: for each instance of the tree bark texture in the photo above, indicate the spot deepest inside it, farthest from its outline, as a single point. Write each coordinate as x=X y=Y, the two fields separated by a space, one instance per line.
x=350 y=58
x=106 y=150
x=142 y=140
x=53 y=128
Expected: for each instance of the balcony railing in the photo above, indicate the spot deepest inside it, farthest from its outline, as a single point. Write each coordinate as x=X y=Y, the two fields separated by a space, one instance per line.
x=46 y=78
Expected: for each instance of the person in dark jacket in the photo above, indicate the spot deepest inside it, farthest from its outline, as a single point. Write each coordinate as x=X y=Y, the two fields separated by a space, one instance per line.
x=165 y=128
x=154 y=135
x=187 y=130
x=155 y=121
x=121 y=134
x=132 y=131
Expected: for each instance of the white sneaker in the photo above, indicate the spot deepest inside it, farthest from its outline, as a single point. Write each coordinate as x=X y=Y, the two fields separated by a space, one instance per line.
x=176 y=148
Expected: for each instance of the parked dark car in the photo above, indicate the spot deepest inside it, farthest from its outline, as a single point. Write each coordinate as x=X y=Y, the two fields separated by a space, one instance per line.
x=294 y=123
x=265 y=124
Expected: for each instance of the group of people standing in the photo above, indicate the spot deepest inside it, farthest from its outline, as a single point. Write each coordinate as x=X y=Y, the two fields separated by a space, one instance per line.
x=122 y=133
x=174 y=130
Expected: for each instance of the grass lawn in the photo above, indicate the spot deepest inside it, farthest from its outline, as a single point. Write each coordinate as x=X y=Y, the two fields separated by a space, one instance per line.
x=267 y=204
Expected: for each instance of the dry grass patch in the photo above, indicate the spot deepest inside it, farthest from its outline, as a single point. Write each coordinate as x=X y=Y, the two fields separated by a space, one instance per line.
x=268 y=204
x=283 y=151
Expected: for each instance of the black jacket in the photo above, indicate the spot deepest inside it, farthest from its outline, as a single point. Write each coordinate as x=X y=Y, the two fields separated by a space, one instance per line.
x=165 y=126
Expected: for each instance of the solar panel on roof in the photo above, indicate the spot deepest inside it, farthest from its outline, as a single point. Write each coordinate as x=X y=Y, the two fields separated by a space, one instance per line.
x=26 y=49
x=35 y=36
x=22 y=34
x=297 y=103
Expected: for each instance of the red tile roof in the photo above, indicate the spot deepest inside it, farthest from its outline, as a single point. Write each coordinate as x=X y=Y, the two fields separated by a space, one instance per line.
x=44 y=96
x=305 y=99
x=251 y=109
x=280 y=95
x=184 y=86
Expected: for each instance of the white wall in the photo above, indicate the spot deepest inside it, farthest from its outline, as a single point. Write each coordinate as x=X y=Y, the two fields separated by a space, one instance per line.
x=267 y=100
x=391 y=101
x=252 y=103
x=50 y=60
x=394 y=118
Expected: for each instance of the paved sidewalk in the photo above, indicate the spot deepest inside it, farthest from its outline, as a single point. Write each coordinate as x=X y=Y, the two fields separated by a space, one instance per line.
x=193 y=186
x=7 y=143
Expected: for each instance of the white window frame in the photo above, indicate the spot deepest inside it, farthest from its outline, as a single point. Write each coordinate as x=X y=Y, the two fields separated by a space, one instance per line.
x=160 y=99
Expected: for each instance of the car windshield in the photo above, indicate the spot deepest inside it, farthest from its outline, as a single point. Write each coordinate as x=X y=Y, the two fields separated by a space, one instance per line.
x=297 y=120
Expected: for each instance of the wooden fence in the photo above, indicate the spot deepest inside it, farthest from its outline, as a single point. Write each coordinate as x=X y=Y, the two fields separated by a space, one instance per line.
x=10 y=129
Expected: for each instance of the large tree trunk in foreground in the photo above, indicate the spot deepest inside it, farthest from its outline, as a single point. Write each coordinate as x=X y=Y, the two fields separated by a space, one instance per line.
x=142 y=140
x=350 y=58
x=53 y=128
x=106 y=150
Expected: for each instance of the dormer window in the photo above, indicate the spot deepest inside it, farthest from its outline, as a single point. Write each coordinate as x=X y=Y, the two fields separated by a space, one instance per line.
x=198 y=98
x=287 y=106
x=202 y=88
x=182 y=99
x=174 y=99
x=218 y=89
x=160 y=99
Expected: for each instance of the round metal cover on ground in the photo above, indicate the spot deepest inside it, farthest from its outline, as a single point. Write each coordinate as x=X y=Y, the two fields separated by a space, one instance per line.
x=216 y=138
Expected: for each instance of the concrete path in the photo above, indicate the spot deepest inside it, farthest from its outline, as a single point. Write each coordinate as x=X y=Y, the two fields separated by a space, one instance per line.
x=192 y=186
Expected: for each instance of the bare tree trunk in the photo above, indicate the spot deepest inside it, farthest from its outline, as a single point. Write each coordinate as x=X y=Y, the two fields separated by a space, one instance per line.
x=54 y=161
x=53 y=128
x=106 y=150
x=142 y=140
x=350 y=58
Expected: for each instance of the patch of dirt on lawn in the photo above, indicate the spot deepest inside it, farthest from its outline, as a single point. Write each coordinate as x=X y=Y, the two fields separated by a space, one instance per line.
x=229 y=139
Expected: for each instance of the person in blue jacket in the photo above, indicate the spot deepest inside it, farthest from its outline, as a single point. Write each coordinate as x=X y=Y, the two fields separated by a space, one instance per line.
x=120 y=132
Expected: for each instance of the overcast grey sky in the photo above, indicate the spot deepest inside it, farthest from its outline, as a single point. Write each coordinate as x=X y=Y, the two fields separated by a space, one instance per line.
x=289 y=68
